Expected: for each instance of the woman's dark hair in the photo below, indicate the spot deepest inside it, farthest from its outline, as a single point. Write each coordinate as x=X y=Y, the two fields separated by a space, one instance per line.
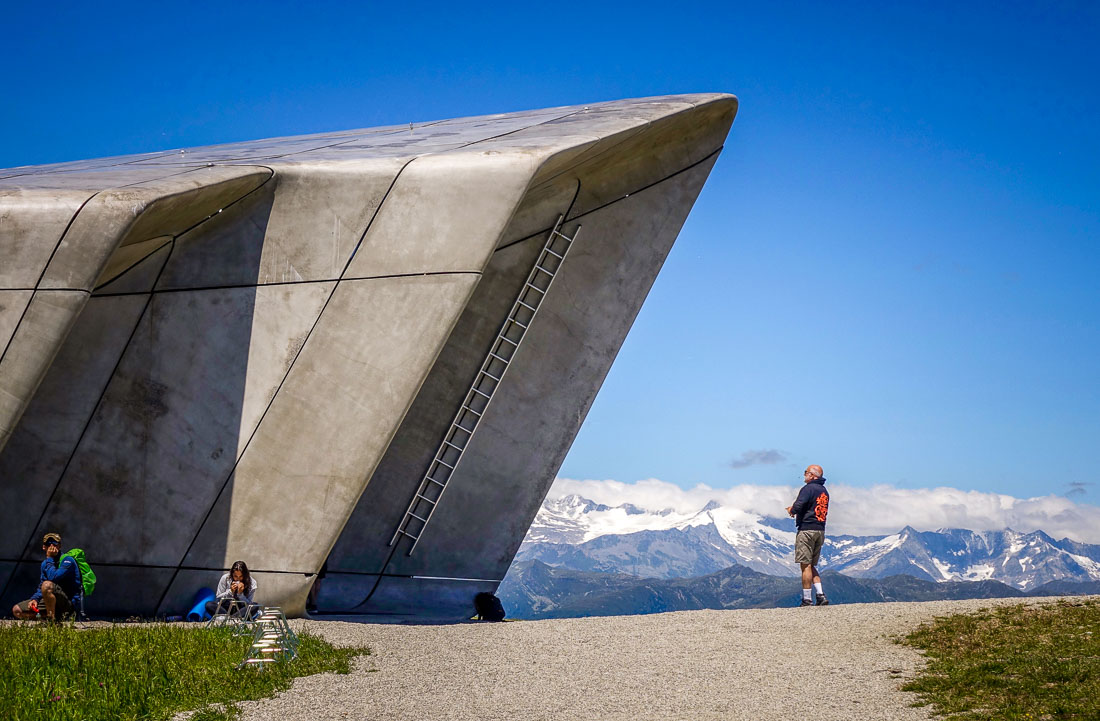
x=240 y=566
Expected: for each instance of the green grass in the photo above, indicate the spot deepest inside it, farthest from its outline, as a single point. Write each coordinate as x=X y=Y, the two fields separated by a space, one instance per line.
x=1014 y=662
x=146 y=672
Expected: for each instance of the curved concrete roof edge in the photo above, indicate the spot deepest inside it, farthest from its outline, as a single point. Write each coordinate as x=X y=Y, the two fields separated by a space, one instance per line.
x=355 y=144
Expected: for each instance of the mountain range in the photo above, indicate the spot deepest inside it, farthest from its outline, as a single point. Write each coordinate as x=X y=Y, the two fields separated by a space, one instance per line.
x=577 y=533
x=584 y=558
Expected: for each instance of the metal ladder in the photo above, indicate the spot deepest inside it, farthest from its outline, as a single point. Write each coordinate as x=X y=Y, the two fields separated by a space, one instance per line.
x=485 y=383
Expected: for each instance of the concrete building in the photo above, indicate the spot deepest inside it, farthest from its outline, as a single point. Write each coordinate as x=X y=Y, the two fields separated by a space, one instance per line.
x=373 y=346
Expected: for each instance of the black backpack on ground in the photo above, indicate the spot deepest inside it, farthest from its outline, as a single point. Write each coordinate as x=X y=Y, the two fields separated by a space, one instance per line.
x=488 y=607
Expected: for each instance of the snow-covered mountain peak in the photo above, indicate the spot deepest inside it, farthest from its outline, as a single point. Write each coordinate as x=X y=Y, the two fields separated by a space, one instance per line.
x=575 y=519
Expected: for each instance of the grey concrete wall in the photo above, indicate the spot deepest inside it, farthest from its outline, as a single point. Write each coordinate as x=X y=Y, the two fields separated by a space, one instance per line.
x=251 y=351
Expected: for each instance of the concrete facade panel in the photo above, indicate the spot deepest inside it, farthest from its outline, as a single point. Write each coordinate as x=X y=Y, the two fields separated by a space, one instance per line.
x=472 y=196
x=43 y=442
x=12 y=305
x=224 y=251
x=23 y=578
x=319 y=216
x=347 y=391
x=31 y=225
x=31 y=349
x=135 y=268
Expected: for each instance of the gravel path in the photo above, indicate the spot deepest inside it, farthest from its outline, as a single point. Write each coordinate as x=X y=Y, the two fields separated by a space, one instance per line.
x=836 y=662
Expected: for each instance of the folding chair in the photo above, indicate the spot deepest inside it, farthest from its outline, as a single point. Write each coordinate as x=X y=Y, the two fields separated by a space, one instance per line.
x=230 y=612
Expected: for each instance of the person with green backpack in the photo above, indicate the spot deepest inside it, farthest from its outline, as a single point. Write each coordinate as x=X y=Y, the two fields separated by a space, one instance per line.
x=63 y=581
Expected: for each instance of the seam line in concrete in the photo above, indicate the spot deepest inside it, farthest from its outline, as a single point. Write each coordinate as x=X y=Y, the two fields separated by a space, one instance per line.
x=270 y=403
x=43 y=274
x=610 y=202
x=169 y=567
x=289 y=282
x=133 y=265
x=182 y=233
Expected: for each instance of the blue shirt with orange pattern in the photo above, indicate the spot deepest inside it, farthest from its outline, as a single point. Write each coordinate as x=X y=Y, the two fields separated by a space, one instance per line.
x=812 y=506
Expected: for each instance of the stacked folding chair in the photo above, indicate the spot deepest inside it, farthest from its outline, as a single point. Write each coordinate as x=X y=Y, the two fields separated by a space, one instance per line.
x=273 y=640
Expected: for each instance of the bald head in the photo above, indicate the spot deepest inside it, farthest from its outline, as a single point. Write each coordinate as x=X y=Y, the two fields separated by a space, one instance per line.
x=812 y=473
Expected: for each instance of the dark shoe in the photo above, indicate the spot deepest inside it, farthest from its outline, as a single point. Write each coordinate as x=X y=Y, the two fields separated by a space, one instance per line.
x=806 y=603
x=821 y=600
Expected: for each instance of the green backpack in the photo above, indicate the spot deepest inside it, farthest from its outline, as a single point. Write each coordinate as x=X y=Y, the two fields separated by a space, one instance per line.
x=87 y=575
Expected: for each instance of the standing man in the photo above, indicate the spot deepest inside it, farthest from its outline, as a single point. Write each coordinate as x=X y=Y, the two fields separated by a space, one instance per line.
x=809 y=511
x=58 y=585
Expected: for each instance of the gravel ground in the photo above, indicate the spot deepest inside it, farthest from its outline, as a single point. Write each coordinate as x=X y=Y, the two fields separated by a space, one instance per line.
x=835 y=662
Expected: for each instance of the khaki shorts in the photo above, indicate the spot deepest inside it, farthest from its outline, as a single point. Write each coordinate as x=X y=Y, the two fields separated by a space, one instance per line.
x=62 y=606
x=807 y=546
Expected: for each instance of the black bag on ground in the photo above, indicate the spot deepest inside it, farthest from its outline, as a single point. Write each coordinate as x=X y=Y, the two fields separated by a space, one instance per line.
x=488 y=607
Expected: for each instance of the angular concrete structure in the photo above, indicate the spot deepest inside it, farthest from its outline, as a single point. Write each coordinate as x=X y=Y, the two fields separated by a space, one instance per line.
x=373 y=346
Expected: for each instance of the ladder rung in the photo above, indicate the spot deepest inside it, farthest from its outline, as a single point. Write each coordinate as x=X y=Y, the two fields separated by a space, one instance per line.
x=532 y=286
x=413 y=536
x=544 y=270
x=468 y=408
x=480 y=393
x=452 y=445
x=441 y=484
x=421 y=495
x=547 y=249
x=499 y=358
x=422 y=520
x=444 y=464
x=491 y=375
x=531 y=307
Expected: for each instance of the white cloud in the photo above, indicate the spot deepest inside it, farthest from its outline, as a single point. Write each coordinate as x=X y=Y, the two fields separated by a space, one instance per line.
x=863 y=511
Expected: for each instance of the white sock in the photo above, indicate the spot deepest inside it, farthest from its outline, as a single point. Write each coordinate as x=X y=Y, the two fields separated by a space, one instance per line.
x=817 y=587
x=806 y=594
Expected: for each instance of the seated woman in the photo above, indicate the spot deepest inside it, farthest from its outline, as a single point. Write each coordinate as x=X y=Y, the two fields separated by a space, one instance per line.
x=235 y=591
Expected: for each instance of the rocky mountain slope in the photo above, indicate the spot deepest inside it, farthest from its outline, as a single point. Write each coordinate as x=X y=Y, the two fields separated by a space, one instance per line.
x=533 y=589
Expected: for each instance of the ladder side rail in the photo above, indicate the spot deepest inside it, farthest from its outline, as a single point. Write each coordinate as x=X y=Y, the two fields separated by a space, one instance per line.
x=554 y=235
x=492 y=357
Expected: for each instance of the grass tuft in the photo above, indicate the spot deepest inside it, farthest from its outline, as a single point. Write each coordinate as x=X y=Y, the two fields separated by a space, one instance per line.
x=1013 y=662
x=145 y=672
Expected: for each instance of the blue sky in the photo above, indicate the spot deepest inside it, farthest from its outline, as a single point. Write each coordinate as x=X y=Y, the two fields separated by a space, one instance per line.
x=892 y=270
